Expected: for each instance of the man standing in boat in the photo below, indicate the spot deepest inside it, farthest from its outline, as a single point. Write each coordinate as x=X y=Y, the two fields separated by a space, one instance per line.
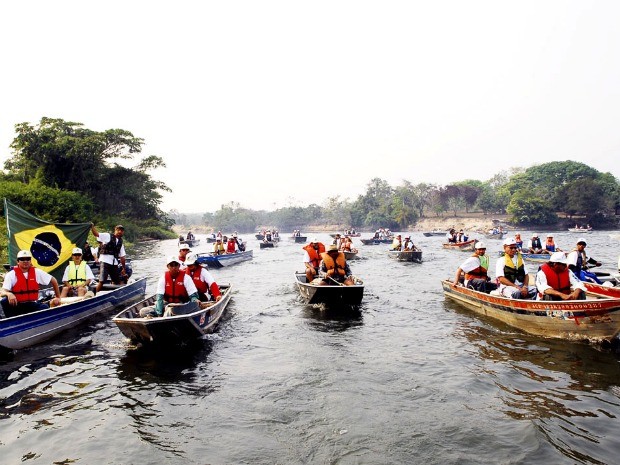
x=334 y=267
x=21 y=287
x=512 y=274
x=475 y=269
x=111 y=255
x=312 y=258
x=555 y=281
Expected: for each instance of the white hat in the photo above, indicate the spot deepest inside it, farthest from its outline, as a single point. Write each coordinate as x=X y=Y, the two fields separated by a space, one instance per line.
x=173 y=259
x=510 y=241
x=558 y=257
x=480 y=245
x=184 y=247
x=534 y=234
x=549 y=235
x=77 y=251
x=191 y=259
x=314 y=239
x=24 y=254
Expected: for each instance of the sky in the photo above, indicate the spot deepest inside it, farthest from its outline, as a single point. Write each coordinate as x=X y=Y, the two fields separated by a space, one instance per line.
x=272 y=104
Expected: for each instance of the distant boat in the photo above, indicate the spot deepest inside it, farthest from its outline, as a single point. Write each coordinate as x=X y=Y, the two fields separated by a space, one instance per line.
x=434 y=232
x=406 y=255
x=377 y=241
x=581 y=230
x=299 y=239
x=218 y=261
x=462 y=246
x=190 y=242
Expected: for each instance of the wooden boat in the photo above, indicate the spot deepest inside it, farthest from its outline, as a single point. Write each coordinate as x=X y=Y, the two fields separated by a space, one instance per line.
x=595 y=319
x=330 y=295
x=299 y=239
x=434 y=232
x=466 y=246
x=373 y=241
x=33 y=328
x=267 y=245
x=190 y=242
x=218 y=261
x=613 y=292
x=350 y=254
x=188 y=323
x=406 y=255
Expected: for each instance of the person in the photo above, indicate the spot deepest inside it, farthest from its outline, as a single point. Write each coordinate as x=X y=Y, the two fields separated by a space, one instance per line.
x=218 y=247
x=451 y=236
x=205 y=284
x=475 y=269
x=535 y=245
x=111 y=255
x=397 y=242
x=578 y=263
x=461 y=236
x=77 y=276
x=512 y=274
x=190 y=236
x=337 y=240
x=239 y=242
x=184 y=249
x=408 y=245
x=518 y=241
x=231 y=245
x=312 y=258
x=549 y=246
x=555 y=281
x=334 y=268
x=175 y=286
x=347 y=245
x=87 y=253
x=21 y=287
x=267 y=237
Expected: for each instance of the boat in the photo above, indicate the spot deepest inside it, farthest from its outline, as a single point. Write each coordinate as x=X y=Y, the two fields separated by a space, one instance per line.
x=609 y=291
x=346 y=234
x=581 y=230
x=434 y=232
x=531 y=257
x=189 y=321
x=26 y=330
x=466 y=246
x=496 y=235
x=267 y=245
x=376 y=241
x=211 y=239
x=218 y=261
x=329 y=295
x=406 y=255
x=299 y=239
x=261 y=237
x=190 y=242
x=350 y=254
x=594 y=319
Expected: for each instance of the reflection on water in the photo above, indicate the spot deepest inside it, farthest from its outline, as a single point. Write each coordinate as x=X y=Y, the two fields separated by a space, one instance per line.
x=327 y=319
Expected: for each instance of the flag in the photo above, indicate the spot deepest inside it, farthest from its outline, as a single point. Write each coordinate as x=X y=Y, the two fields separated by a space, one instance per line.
x=51 y=244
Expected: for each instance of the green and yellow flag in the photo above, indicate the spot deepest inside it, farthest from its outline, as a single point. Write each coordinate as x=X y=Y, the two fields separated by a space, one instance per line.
x=50 y=244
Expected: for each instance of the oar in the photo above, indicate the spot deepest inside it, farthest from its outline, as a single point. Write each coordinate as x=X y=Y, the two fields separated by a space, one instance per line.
x=340 y=284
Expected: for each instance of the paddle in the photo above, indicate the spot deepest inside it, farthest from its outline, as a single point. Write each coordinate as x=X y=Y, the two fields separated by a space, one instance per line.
x=340 y=284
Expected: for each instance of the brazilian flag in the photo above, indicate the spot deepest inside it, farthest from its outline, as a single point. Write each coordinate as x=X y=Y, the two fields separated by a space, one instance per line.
x=50 y=244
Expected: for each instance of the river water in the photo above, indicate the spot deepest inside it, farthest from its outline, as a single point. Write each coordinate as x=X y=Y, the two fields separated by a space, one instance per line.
x=409 y=378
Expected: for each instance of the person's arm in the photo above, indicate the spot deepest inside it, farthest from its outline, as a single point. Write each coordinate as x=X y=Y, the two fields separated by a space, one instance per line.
x=159 y=304
x=457 y=276
x=94 y=230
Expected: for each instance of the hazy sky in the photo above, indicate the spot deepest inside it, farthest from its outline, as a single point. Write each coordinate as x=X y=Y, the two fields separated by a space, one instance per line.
x=278 y=103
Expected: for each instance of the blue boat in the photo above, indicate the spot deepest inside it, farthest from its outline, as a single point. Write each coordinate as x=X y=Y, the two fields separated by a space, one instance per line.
x=26 y=330
x=227 y=259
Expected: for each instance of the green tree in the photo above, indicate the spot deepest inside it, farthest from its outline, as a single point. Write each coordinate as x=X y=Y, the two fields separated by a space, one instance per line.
x=528 y=209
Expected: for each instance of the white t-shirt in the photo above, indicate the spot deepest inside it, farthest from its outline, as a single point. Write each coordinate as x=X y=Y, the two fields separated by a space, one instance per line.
x=104 y=238
x=470 y=264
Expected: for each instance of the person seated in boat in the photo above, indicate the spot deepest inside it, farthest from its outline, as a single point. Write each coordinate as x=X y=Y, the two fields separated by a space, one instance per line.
x=87 y=253
x=175 y=286
x=578 y=263
x=475 y=270
x=208 y=290
x=232 y=246
x=181 y=238
x=347 y=245
x=20 y=290
x=239 y=241
x=376 y=236
x=268 y=236
x=397 y=243
x=549 y=245
x=451 y=236
x=512 y=275
x=535 y=246
x=555 y=281
x=408 y=245
x=334 y=268
x=519 y=241
x=77 y=276
x=218 y=247
x=190 y=236
x=184 y=249
x=461 y=236
x=312 y=258
x=111 y=256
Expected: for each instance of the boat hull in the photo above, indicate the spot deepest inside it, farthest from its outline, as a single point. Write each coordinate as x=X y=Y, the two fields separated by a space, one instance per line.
x=299 y=239
x=192 y=324
x=33 y=328
x=373 y=241
x=462 y=246
x=229 y=259
x=406 y=256
x=191 y=242
x=349 y=255
x=434 y=233
x=332 y=296
x=592 y=320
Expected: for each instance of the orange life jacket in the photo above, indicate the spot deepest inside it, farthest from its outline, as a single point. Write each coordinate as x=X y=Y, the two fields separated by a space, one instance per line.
x=26 y=290
x=315 y=255
x=481 y=271
x=175 y=291
x=558 y=281
x=334 y=266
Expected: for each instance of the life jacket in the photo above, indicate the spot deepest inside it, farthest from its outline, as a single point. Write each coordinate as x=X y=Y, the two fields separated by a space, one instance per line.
x=315 y=255
x=77 y=276
x=510 y=272
x=536 y=243
x=200 y=284
x=26 y=289
x=550 y=246
x=481 y=271
x=581 y=259
x=334 y=266
x=346 y=246
x=230 y=246
x=558 y=281
x=218 y=248
x=113 y=247
x=174 y=291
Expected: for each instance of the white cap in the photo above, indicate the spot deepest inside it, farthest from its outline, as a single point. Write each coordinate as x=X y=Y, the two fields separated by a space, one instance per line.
x=314 y=239
x=184 y=247
x=549 y=235
x=173 y=259
x=510 y=241
x=77 y=251
x=24 y=254
x=191 y=259
x=558 y=257
x=480 y=245
x=534 y=234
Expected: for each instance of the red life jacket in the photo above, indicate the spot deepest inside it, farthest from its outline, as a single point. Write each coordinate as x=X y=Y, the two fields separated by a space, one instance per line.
x=200 y=284
x=26 y=290
x=175 y=291
x=230 y=246
x=315 y=255
x=558 y=281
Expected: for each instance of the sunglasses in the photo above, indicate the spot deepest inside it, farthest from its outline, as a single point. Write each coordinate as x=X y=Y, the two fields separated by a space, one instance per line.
x=174 y=265
x=25 y=259
x=512 y=248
